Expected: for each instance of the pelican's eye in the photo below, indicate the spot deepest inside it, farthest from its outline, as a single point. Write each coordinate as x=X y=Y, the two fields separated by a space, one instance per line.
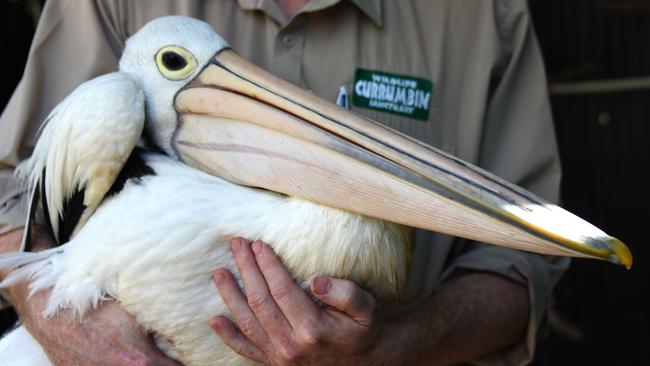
x=175 y=63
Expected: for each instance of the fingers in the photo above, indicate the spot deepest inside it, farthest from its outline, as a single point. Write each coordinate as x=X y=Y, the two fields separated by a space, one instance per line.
x=161 y=359
x=108 y=335
x=283 y=313
x=291 y=298
x=257 y=291
x=236 y=340
x=278 y=322
x=346 y=297
x=258 y=315
x=239 y=308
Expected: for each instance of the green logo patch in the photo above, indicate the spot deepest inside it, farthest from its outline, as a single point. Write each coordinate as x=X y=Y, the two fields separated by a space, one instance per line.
x=398 y=94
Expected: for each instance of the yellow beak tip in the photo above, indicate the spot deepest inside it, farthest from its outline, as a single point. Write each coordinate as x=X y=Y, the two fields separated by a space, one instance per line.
x=622 y=253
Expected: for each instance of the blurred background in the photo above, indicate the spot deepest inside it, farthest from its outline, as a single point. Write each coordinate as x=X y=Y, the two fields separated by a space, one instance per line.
x=597 y=55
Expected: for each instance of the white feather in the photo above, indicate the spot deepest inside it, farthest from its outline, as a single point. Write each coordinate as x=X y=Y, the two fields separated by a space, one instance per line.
x=85 y=142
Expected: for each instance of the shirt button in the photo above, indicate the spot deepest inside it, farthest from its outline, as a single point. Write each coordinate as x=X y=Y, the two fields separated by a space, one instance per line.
x=289 y=40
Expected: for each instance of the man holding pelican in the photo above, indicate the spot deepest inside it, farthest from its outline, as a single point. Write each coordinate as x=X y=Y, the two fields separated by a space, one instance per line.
x=462 y=76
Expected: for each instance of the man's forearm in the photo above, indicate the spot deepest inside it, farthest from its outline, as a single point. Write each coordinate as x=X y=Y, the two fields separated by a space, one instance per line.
x=107 y=336
x=472 y=315
x=10 y=242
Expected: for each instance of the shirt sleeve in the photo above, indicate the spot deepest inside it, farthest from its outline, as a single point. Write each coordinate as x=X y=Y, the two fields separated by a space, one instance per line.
x=519 y=145
x=74 y=41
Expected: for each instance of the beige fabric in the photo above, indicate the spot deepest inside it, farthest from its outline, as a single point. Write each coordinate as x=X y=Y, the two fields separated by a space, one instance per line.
x=489 y=103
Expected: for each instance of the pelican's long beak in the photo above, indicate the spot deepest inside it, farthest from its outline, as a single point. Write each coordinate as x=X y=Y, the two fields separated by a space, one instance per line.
x=245 y=125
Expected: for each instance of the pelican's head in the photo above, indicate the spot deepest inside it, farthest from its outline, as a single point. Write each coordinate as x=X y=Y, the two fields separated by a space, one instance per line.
x=234 y=120
x=164 y=56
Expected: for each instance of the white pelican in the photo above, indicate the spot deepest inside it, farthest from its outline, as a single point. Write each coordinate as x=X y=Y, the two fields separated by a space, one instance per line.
x=146 y=229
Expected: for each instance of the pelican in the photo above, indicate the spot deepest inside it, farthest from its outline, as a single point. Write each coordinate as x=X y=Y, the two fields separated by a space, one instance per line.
x=144 y=175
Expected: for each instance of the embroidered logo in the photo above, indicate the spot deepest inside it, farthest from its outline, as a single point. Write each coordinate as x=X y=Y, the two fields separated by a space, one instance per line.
x=398 y=94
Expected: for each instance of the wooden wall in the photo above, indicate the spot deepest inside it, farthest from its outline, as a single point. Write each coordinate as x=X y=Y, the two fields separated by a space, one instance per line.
x=604 y=142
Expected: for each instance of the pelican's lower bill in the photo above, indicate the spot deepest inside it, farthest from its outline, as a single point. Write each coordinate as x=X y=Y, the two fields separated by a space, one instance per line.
x=245 y=125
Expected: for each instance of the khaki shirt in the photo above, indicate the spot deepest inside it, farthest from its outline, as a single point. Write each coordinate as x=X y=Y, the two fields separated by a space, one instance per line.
x=488 y=100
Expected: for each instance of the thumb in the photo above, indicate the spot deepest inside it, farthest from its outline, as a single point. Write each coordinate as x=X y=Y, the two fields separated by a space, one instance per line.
x=346 y=297
x=159 y=358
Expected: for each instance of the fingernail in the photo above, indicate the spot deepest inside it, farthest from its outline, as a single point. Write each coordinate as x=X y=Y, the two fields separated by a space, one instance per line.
x=218 y=277
x=214 y=323
x=257 y=247
x=321 y=285
x=235 y=244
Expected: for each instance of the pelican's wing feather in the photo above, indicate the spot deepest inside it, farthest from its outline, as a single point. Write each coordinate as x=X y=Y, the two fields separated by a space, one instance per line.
x=83 y=145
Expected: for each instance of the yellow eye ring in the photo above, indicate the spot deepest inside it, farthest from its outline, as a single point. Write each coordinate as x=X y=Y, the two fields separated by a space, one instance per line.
x=175 y=63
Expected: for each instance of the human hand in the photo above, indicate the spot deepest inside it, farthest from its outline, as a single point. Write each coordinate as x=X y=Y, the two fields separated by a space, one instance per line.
x=107 y=335
x=280 y=325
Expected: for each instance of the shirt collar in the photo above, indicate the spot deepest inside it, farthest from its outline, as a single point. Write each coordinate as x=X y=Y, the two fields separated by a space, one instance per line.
x=372 y=8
